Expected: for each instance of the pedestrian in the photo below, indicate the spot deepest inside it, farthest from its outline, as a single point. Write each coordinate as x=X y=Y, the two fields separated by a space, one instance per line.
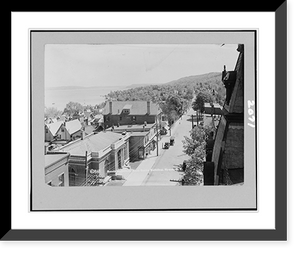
x=182 y=182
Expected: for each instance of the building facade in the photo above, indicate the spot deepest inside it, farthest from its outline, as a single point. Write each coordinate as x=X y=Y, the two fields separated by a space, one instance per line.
x=142 y=141
x=118 y=113
x=62 y=130
x=57 y=169
x=98 y=154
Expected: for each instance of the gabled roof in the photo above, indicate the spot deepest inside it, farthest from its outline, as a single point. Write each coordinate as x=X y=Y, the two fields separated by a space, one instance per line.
x=54 y=127
x=136 y=107
x=73 y=126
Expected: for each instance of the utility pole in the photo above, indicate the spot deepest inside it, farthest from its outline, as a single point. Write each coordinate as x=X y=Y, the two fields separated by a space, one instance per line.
x=86 y=167
x=157 y=130
x=192 y=121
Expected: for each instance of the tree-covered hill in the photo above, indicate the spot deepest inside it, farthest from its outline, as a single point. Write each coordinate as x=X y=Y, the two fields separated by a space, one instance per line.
x=209 y=83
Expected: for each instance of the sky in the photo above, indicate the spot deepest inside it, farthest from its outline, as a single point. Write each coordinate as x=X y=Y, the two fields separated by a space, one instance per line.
x=99 y=65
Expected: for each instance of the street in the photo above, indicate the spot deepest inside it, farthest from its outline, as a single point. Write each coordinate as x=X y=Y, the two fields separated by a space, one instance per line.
x=159 y=170
x=166 y=165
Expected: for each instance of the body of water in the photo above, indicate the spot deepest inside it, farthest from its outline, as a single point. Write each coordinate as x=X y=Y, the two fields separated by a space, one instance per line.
x=59 y=97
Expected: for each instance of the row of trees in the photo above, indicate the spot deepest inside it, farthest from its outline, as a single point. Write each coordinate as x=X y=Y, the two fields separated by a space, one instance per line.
x=155 y=93
x=71 y=109
x=194 y=146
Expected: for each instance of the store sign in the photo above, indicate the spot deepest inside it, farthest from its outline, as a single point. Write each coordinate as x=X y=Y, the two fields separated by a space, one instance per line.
x=94 y=171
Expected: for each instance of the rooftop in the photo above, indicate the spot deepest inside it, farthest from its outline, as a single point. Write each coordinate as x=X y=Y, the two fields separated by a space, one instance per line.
x=73 y=126
x=216 y=105
x=133 y=127
x=54 y=127
x=217 y=109
x=139 y=134
x=127 y=106
x=136 y=107
x=51 y=159
x=91 y=143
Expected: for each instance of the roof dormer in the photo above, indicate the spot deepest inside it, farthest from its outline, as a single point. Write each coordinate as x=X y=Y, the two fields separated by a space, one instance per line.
x=126 y=109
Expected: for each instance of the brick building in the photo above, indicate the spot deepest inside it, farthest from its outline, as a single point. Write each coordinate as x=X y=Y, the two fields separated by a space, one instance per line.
x=118 y=113
x=227 y=160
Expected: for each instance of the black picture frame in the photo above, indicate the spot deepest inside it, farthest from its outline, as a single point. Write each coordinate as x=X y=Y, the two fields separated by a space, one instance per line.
x=277 y=234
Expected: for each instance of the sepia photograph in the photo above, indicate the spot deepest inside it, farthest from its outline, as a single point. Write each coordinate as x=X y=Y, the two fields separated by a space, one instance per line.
x=144 y=114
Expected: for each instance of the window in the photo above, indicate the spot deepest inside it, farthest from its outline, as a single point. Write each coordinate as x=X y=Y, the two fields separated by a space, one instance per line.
x=133 y=118
x=119 y=159
x=72 y=177
x=61 y=179
x=106 y=166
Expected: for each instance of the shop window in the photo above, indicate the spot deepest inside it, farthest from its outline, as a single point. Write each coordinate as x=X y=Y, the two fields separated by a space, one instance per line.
x=119 y=159
x=106 y=165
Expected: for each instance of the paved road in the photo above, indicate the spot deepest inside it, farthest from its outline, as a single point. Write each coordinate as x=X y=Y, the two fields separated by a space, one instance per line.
x=166 y=164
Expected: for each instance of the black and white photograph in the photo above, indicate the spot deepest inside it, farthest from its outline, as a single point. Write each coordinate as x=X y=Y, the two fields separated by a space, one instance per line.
x=145 y=109
x=139 y=115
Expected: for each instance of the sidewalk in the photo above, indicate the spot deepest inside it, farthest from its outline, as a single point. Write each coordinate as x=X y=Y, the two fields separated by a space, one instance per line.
x=137 y=176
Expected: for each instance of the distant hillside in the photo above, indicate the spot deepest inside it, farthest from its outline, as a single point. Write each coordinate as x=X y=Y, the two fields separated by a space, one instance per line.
x=141 y=85
x=189 y=80
x=209 y=84
x=208 y=77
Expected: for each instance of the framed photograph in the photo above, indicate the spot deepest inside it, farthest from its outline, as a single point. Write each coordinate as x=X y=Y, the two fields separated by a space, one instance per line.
x=164 y=124
x=143 y=146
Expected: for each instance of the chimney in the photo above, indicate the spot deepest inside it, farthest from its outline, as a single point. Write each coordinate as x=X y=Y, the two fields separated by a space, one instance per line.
x=148 y=107
x=224 y=72
x=82 y=133
x=110 y=107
